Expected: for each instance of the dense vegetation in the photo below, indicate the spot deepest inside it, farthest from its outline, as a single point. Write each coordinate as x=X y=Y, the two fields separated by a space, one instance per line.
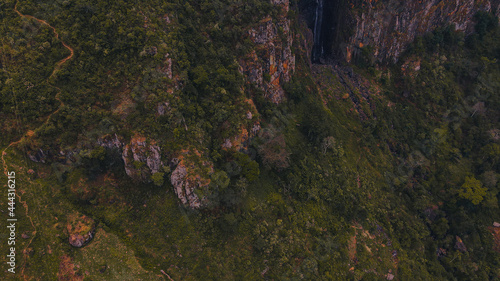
x=333 y=187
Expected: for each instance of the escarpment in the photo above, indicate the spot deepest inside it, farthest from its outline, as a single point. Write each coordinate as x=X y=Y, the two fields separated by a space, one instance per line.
x=343 y=28
x=389 y=26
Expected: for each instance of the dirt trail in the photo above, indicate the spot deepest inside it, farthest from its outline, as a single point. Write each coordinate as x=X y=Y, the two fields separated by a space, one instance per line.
x=61 y=62
x=4 y=152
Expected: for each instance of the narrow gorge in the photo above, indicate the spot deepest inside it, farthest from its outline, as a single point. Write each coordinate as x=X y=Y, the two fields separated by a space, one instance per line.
x=318 y=47
x=329 y=24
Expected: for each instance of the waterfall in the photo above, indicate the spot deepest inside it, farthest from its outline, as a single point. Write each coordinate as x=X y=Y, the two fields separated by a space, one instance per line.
x=318 y=22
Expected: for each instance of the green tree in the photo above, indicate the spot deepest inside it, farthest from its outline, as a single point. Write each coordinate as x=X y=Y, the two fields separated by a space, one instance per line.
x=440 y=228
x=158 y=178
x=220 y=180
x=472 y=190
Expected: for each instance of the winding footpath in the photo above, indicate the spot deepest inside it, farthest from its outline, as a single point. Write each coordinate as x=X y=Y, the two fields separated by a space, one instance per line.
x=28 y=133
x=61 y=62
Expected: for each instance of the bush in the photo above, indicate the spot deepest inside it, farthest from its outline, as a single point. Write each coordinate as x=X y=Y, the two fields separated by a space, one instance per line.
x=472 y=190
x=485 y=22
x=158 y=178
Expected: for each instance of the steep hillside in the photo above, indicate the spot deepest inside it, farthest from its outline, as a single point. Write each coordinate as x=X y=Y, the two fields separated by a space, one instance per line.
x=251 y=140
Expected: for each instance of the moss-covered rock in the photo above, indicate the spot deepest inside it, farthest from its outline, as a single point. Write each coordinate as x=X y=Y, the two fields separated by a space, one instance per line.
x=81 y=229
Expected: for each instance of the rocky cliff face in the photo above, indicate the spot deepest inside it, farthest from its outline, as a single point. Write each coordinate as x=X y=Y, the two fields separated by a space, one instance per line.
x=190 y=178
x=272 y=62
x=141 y=159
x=389 y=26
x=269 y=66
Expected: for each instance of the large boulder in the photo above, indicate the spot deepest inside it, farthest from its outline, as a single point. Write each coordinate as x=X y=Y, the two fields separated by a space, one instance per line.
x=81 y=229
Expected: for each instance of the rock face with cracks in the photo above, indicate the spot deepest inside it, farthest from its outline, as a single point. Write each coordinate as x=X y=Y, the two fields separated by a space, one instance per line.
x=141 y=158
x=272 y=62
x=389 y=26
x=190 y=178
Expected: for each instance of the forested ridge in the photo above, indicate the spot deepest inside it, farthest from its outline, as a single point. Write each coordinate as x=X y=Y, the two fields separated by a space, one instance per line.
x=195 y=140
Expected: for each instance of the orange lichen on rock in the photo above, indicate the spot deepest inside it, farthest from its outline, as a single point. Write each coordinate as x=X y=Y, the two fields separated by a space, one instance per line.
x=142 y=158
x=237 y=142
x=272 y=69
x=81 y=229
x=389 y=26
x=272 y=56
x=352 y=248
x=137 y=139
x=252 y=105
x=191 y=176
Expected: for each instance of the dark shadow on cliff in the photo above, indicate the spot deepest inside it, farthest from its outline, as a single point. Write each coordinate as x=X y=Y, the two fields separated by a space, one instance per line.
x=329 y=22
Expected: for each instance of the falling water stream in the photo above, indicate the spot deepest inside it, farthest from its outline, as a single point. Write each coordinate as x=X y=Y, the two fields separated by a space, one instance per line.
x=318 y=22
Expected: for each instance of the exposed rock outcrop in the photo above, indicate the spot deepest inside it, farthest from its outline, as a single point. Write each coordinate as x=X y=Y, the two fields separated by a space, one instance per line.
x=240 y=142
x=38 y=156
x=459 y=245
x=81 y=230
x=110 y=141
x=190 y=178
x=272 y=62
x=142 y=159
x=389 y=26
